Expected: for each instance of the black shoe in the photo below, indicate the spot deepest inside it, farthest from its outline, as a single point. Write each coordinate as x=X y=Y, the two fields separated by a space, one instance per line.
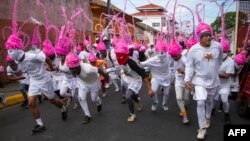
x=64 y=113
x=86 y=120
x=227 y=119
x=24 y=104
x=124 y=101
x=38 y=129
x=99 y=108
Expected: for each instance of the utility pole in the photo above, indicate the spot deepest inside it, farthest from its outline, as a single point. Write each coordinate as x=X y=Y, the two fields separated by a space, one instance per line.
x=107 y=41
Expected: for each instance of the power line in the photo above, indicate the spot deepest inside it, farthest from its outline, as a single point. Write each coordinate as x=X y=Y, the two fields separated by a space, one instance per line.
x=149 y=1
x=132 y=4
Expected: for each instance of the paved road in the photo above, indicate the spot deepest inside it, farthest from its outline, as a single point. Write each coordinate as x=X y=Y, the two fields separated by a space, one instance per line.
x=110 y=124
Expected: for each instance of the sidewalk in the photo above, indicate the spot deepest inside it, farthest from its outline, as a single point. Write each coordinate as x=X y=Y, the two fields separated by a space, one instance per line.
x=12 y=94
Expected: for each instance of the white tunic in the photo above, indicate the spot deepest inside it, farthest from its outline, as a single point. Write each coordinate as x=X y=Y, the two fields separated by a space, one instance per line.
x=227 y=66
x=33 y=65
x=88 y=76
x=179 y=77
x=203 y=65
x=160 y=68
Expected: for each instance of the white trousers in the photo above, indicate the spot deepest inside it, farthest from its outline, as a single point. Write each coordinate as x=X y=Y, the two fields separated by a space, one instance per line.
x=68 y=84
x=182 y=97
x=204 y=107
x=94 y=93
x=155 y=84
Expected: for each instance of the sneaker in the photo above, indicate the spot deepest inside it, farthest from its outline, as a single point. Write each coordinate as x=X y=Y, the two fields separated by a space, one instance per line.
x=64 y=111
x=76 y=106
x=38 y=129
x=185 y=120
x=86 y=120
x=99 y=108
x=207 y=125
x=227 y=119
x=131 y=118
x=117 y=89
x=201 y=134
x=107 y=85
x=124 y=100
x=154 y=106
x=165 y=107
x=104 y=94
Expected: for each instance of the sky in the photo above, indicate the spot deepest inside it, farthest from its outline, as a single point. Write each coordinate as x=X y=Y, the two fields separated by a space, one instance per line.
x=211 y=9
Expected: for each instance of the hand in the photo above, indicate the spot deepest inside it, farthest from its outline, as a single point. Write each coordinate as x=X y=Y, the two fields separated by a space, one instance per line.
x=21 y=78
x=150 y=92
x=188 y=85
x=49 y=69
x=180 y=70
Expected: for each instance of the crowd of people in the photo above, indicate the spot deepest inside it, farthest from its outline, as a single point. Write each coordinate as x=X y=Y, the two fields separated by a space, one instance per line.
x=65 y=73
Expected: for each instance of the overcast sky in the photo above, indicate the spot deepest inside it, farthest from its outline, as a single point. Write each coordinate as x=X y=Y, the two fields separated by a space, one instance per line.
x=211 y=9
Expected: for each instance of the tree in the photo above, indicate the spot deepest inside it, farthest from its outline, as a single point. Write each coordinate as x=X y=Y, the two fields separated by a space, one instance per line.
x=230 y=18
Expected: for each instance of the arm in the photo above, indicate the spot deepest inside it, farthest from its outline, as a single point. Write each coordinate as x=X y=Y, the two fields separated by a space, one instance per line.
x=15 y=78
x=132 y=64
x=189 y=69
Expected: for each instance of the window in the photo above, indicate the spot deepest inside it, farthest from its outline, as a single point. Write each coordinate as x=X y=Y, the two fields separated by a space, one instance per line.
x=156 y=24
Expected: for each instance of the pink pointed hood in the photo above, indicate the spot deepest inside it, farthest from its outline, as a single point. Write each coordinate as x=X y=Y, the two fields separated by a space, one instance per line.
x=72 y=60
x=174 y=49
x=240 y=58
x=48 y=48
x=92 y=57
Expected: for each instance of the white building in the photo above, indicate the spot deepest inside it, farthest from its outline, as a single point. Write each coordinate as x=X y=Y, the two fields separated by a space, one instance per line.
x=154 y=16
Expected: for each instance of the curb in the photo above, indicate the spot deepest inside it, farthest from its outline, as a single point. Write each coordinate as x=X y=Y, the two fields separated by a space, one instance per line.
x=12 y=100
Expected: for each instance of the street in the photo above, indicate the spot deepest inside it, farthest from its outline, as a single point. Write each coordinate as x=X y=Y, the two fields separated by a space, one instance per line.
x=111 y=124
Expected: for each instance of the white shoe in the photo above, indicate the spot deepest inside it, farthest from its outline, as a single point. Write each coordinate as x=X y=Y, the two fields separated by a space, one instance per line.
x=154 y=106
x=165 y=107
x=201 y=134
x=104 y=95
x=207 y=125
x=107 y=85
x=185 y=120
x=76 y=106
x=131 y=118
x=117 y=89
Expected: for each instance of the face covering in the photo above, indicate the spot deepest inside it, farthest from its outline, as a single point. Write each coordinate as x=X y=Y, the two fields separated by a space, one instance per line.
x=122 y=58
x=16 y=54
x=161 y=55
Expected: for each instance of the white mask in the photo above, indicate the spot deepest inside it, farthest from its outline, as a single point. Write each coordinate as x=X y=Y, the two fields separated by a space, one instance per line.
x=161 y=55
x=16 y=54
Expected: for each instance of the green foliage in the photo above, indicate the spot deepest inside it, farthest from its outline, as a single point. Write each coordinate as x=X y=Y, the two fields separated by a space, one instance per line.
x=230 y=18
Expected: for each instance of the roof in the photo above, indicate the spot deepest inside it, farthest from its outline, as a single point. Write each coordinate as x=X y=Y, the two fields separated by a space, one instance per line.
x=149 y=13
x=103 y=4
x=150 y=6
x=144 y=27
